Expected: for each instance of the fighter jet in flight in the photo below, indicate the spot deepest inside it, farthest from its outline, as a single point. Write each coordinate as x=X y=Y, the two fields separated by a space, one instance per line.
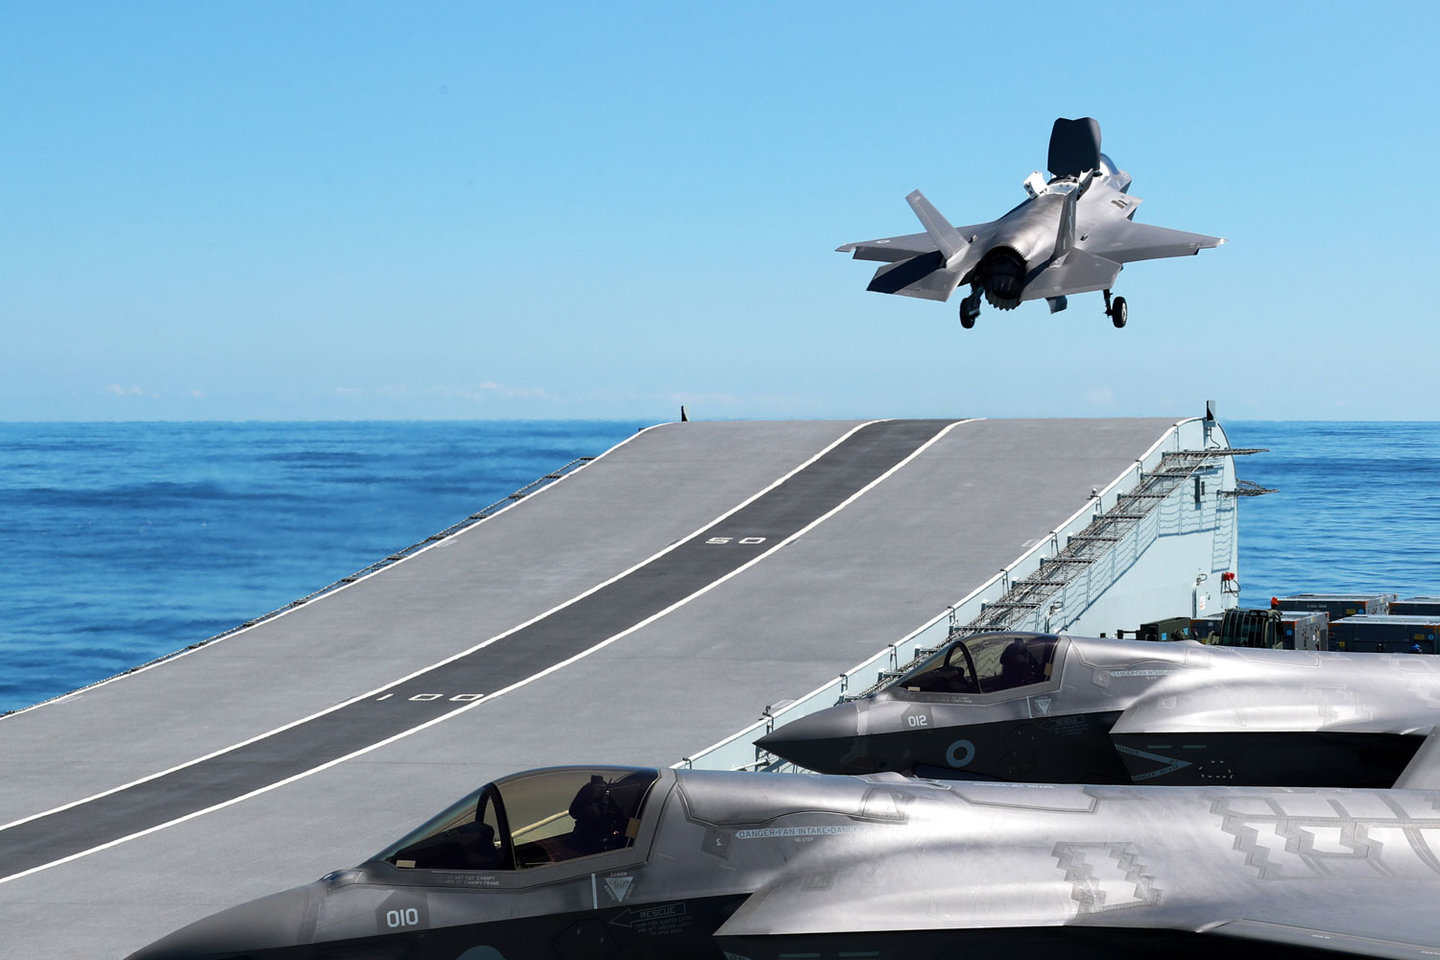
x=1073 y=235
x=639 y=864
x=1042 y=707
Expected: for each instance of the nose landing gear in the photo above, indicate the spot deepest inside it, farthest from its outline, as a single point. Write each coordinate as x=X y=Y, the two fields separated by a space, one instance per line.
x=1116 y=310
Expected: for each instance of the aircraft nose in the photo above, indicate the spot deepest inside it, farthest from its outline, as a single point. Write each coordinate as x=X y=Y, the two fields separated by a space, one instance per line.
x=280 y=921
x=827 y=741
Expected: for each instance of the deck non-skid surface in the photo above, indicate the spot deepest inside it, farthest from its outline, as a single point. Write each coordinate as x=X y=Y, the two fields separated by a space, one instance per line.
x=721 y=620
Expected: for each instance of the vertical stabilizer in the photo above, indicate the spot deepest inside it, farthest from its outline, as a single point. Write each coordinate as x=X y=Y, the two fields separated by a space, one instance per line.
x=1065 y=237
x=946 y=237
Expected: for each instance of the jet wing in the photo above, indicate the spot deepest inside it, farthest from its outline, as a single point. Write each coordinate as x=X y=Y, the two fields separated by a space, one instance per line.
x=1349 y=871
x=1125 y=241
x=1107 y=898
x=895 y=890
x=1281 y=697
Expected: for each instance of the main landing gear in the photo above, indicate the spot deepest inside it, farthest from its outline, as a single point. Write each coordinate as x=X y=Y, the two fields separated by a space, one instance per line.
x=1116 y=310
x=970 y=308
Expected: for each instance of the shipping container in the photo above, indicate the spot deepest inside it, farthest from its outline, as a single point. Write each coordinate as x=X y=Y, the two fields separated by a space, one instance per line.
x=1336 y=605
x=1416 y=607
x=1385 y=633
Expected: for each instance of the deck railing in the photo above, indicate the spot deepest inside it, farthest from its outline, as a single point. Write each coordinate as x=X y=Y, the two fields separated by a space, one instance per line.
x=738 y=752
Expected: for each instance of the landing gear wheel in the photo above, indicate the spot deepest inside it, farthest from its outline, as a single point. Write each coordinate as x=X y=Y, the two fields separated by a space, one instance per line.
x=969 y=310
x=1119 y=313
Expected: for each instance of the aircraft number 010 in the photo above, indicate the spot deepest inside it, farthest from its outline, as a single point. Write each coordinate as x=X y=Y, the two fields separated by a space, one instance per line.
x=409 y=917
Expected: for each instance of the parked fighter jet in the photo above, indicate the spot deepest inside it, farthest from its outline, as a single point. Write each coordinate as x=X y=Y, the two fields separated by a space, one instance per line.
x=1039 y=707
x=1073 y=235
x=624 y=864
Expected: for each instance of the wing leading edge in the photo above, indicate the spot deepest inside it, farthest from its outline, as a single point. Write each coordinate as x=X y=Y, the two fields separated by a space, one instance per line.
x=1126 y=241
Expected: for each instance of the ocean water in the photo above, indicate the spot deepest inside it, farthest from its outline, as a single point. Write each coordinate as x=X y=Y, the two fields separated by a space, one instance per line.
x=127 y=541
x=1356 y=508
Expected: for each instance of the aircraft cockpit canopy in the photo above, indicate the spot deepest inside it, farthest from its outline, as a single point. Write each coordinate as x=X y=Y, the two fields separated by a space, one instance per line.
x=530 y=820
x=985 y=663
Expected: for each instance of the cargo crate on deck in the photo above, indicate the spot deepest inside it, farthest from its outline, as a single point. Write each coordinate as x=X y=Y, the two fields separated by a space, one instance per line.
x=1385 y=633
x=1416 y=607
x=1336 y=605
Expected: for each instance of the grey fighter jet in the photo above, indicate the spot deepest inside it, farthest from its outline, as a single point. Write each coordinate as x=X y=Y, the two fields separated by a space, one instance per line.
x=1042 y=707
x=1073 y=235
x=633 y=864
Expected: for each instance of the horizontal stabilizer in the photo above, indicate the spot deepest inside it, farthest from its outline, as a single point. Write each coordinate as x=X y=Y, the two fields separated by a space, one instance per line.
x=890 y=249
x=947 y=239
x=1079 y=272
x=925 y=276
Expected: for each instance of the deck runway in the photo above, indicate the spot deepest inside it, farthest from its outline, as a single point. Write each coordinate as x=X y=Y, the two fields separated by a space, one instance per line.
x=641 y=608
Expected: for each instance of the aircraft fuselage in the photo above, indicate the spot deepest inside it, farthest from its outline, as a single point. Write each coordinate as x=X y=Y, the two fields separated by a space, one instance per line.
x=1116 y=711
x=768 y=866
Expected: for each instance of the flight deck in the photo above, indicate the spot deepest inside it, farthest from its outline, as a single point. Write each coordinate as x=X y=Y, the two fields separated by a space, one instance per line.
x=649 y=604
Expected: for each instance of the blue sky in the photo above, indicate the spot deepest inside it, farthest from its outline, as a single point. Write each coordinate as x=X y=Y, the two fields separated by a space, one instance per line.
x=445 y=210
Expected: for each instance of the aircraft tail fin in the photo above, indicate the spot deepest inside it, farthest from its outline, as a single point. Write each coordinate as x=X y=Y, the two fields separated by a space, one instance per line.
x=947 y=238
x=1065 y=237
